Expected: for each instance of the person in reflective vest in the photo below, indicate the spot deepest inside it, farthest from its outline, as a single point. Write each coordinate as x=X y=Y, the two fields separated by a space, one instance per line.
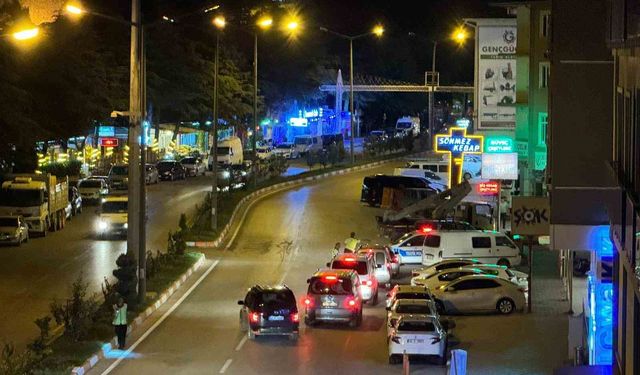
x=120 y=322
x=351 y=243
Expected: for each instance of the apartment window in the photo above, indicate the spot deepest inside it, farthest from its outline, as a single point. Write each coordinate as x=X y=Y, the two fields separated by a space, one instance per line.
x=545 y=23
x=543 y=79
x=543 y=122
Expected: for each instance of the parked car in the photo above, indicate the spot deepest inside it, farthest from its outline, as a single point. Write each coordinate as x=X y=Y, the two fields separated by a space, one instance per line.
x=417 y=335
x=75 y=200
x=286 y=150
x=151 y=175
x=13 y=230
x=93 y=189
x=193 y=166
x=171 y=170
x=405 y=307
x=119 y=177
x=264 y=152
x=333 y=296
x=479 y=293
x=269 y=310
x=445 y=277
x=443 y=265
x=409 y=292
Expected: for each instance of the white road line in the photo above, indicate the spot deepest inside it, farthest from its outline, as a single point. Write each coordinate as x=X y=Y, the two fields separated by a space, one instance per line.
x=244 y=339
x=226 y=365
x=156 y=324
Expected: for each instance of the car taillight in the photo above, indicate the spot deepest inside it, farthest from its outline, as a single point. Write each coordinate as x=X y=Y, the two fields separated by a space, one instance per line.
x=350 y=303
x=255 y=317
x=308 y=302
x=295 y=317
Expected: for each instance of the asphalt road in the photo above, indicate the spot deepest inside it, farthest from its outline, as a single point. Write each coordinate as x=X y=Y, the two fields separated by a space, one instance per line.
x=202 y=336
x=44 y=268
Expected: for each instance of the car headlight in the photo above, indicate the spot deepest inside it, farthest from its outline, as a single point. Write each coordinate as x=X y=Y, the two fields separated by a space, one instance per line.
x=101 y=225
x=243 y=173
x=126 y=225
x=226 y=174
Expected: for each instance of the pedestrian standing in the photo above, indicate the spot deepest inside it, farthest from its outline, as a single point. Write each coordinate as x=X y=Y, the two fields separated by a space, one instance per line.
x=336 y=250
x=504 y=208
x=351 y=243
x=120 y=322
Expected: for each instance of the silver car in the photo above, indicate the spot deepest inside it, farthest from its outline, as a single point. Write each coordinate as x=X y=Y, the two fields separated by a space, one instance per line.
x=13 y=230
x=151 y=174
x=193 y=166
x=479 y=293
x=333 y=296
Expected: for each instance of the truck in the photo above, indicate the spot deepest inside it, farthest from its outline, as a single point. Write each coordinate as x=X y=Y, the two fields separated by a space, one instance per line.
x=40 y=198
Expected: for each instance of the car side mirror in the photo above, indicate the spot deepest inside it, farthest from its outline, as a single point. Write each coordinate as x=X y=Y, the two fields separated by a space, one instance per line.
x=328 y=264
x=241 y=303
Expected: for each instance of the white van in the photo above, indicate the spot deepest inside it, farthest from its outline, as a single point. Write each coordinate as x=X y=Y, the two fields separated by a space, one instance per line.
x=434 y=246
x=427 y=168
x=229 y=152
x=307 y=143
x=408 y=126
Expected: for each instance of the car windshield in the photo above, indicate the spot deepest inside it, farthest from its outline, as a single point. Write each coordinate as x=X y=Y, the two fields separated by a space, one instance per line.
x=223 y=150
x=412 y=295
x=403 y=125
x=277 y=300
x=334 y=287
x=359 y=266
x=114 y=207
x=90 y=184
x=8 y=221
x=417 y=326
x=21 y=197
x=188 y=161
x=120 y=170
x=413 y=309
x=165 y=165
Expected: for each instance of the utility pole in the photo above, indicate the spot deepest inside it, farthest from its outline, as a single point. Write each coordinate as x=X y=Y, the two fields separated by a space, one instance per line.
x=431 y=93
x=142 y=260
x=255 y=108
x=351 y=114
x=214 y=146
x=133 y=185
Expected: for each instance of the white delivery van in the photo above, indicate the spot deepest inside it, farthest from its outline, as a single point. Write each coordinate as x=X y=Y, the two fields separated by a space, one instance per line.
x=436 y=170
x=229 y=152
x=408 y=126
x=485 y=246
x=307 y=143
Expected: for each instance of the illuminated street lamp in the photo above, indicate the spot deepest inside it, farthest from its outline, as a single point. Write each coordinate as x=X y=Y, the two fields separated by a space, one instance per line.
x=219 y=22
x=26 y=34
x=74 y=9
x=460 y=35
x=378 y=30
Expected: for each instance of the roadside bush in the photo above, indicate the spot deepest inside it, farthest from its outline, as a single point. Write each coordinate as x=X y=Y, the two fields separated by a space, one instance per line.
x=311 y=159
x=127 y=275
x=333 y=156
x=40 y=346
x=13 y=363
x=63 y=169
x=75 y=313
x=407 y=143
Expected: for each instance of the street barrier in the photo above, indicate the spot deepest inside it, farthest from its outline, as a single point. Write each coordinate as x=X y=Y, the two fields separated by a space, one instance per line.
x=458 y=364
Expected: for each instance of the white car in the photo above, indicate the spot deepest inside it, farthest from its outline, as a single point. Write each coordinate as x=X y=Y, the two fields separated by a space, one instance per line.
x=193 y=166
x=113 y=216
x=93 y=189
x=408 y=292
x=383 y=264
x=264 y=152
x=286 y=150
x=405 y=307
x=515 y=276
x=417 y=335
x=479 y=293
x=443 y=265
x=13 y=230
x=444 y=277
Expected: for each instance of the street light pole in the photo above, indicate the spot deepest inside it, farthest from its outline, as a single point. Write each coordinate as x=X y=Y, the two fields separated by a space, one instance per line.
x=431 y=93
x=255 y=106
x=214 y=146
x=142 y=261
x=351 y=115
x=134 y=206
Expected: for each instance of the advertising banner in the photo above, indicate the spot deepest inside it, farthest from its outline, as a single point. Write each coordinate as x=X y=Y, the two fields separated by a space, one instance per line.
x=500 y=166
x=496 y=59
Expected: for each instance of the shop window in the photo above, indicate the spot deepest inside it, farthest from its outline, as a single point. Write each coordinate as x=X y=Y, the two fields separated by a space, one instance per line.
x=543 y=122
x=543 y=79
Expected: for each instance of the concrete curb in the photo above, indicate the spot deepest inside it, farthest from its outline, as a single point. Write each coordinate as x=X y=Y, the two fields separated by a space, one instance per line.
x=106 y=348
x=258 y=193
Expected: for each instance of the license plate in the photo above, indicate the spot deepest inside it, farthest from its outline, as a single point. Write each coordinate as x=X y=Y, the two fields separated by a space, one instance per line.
x=276 y=317
x=415 y=341
x=329 y=304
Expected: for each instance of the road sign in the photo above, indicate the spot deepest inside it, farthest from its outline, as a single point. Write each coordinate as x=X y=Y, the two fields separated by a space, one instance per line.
x=500 y=166
x=109 y=142
x=530 y=216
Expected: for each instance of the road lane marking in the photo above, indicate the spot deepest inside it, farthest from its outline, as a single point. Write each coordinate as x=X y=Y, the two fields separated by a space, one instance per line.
x=244 y=339
x=226 y=365
x=156 y=324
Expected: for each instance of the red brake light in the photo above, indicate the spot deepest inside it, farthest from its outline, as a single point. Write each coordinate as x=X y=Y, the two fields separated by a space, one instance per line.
x=255 y=317
x=308 y=302
x=331 y=278
x=349 y=259
x=426 y=229
x=352 y=303
x=295 y=317
x=367 y=283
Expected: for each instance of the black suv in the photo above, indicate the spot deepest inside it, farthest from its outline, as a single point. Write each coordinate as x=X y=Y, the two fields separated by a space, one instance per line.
x=171 y=170
x=269 y=310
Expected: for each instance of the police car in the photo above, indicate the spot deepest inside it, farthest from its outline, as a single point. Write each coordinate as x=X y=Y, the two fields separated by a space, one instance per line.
x=409 y=247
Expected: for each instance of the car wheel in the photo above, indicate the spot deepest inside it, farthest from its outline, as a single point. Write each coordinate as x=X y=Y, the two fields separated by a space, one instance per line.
x=504 y=262
x=374 y=301
x=440 y=307
x=353 y=323
x=505 y=306
x=243 y=323
x=360 y=319
x=250 y=334
x=26 y=238
x=393 y=359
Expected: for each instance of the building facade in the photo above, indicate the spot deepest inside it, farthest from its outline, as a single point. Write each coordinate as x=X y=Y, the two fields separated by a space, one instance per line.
x=623 y=36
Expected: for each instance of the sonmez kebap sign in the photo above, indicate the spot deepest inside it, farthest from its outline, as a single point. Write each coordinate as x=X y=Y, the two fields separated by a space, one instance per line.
x=457 y=143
